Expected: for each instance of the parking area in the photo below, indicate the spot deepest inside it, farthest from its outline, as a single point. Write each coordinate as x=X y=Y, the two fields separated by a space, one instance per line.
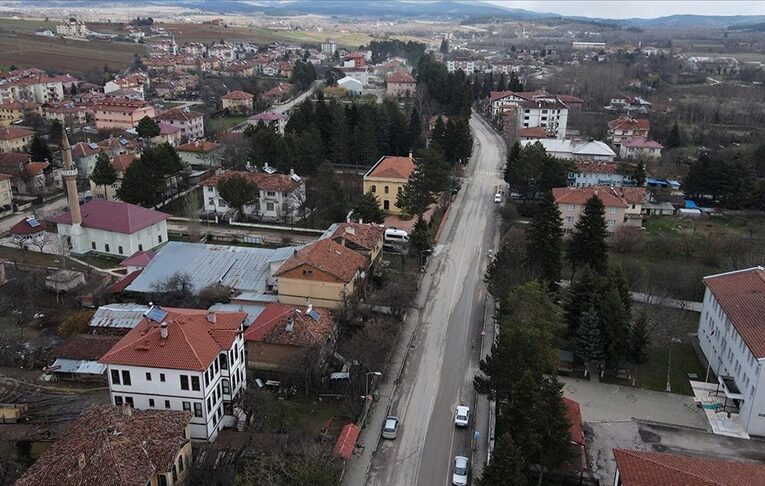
x=606 y=402
x=603 y=437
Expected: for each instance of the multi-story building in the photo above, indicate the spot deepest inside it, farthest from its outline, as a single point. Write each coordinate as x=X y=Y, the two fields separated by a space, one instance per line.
x=118 y=446
x=622 y=205
x=640 y=148
x=599 y=174
x=6 y=191
x=37 y=87
x=732 y=337
x=386 y=179
x=281 y=198
x=532 y=109
x=585 y=151
x=14 y=139
x=400 y=83
x=464 y=63
x=329 y=47
x=67 y=114
x=191 y=123
x=626 y=127
x=72 y=28
x=121 y=113
x=200 y=153
x=222 y=51
x=182 y=359
x=277 y=121
x=237 y=101
x=13 y=111
x=120 y=163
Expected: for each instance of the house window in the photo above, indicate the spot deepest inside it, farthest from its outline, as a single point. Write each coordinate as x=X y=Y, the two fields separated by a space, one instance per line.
x=162 y=479
x=119 y=250
x=569 y=207
x=151 y=402
x=269 y=206
x=386 y=205
x=197 y=409
x=226 y=387
x=162 y=377
x=386 y=190
x=167 y=403
x=129 y=402
x=611 y=222
x=93 y=245
x=374 y=188
x=569 y=219
x=209 y=404
x=115 y=377
x=106 y=247
x=148 y=376
x=195 y=383
x=159 y=238
x=184 y=382
x=126 y=378
x=117 y=400
x=187 y=406
x=140 y=247
x=612 y=210
x=223 y=362
x=211 y=201
x=271 y=193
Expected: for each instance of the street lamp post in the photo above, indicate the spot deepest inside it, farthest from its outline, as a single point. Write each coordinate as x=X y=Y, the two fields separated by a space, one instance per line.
x=669 y=360
x=366 y=383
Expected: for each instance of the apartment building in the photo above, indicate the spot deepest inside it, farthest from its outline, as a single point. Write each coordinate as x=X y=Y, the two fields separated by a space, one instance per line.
x=121 y=113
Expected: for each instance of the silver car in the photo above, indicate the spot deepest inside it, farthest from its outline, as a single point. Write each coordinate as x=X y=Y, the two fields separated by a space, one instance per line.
x=460 y=471
x=390 y=428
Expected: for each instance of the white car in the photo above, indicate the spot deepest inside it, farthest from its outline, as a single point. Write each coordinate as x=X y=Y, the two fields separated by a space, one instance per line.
x=497 y=198
x=390 y=428
x=460 y=471
x=462 y=416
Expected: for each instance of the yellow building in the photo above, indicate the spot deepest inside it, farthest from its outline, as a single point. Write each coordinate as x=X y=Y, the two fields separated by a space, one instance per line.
x=14 y=139
x=386 y=179
x=237 y=101
x=12 y=111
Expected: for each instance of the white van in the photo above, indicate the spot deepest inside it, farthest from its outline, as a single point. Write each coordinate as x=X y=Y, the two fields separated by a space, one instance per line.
x=393 y=235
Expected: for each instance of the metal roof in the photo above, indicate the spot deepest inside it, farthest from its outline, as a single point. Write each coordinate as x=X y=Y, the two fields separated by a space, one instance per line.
x=63 y=365
x=123 y=316
x=240 y=268
x=252 y=310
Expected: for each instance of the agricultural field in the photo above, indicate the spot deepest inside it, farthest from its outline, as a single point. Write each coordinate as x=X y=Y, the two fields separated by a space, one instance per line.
x=65 y=55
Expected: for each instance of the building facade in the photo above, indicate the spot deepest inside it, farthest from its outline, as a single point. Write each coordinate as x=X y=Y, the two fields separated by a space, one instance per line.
x=400 y=84
x=386 y=179
x=191 y=123
x=14 y=139
x=599 y=174
x=121 y=113
x=625 y=127
x=640 y=148
x=237 y=101
x=572 y=200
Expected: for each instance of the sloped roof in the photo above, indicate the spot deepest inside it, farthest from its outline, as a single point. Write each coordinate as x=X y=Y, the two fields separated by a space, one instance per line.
x=192 y=341
x=120 y=316
x=268 y=116
x=329 y=257
x=557 y=146
x=400 y=77
x=264 y=181
x=365 y=236
x=642 y=143
x=115 y=216
x=237 y=95
x=580 y=195
x=271 y=325
x=10 y=133
x=597 y=167
x=118 y=446
x=198 y=146
x=628 y=123
x=138 y=259
x=28 y=226
x=179 y=114
x=84 y=347
x=641 y=468
x=741 y=294
x=392 y=167
x=122 y=162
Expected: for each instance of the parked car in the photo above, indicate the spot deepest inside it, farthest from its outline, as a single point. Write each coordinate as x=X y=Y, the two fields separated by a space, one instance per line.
x=390 y=428
x=460 y=471
x=497 y=198
x=462 y=416
x=394 y=235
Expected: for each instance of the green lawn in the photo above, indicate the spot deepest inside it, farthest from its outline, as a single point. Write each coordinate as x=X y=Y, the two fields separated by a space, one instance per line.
x=215 y=125
x=306 y=417
x=31 y=257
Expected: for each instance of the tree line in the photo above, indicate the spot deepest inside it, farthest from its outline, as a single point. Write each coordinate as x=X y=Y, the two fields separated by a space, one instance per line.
x=385 y=49
x=732 y=178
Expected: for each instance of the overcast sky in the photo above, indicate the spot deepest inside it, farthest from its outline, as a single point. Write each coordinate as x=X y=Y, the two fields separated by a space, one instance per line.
x=619 y=9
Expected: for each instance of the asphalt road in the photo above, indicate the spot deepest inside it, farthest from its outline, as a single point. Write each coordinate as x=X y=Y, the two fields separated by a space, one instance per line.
x=444 y=359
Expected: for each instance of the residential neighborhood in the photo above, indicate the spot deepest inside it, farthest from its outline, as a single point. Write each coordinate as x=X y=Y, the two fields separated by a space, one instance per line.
x=382 y=243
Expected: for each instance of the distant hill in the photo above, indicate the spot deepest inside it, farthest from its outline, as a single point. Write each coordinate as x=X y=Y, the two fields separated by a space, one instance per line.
x=690 y=20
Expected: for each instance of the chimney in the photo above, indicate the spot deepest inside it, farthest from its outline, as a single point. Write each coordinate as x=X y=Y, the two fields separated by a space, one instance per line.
x=211 y=317
x=410 y=154
x=163 y=330
x=310 y=308
x=290 y=325
x=292 y=172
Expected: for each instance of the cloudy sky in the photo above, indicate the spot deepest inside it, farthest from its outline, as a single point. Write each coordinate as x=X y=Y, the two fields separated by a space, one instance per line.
x=618 y=9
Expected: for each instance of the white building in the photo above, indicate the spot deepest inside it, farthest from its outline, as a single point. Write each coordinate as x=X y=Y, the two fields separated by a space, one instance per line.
x=732 y=337
x=352 y=85
x=281 y=198
x=191 y=123
x=640 y=148
x=277 y=121
x=182 y=359
x=533 y=109
x=591 y=151
x=114 y=228
x=72 y=28
x=464 y=63
x=328 y=47
x=599 y=174
x=587 y=46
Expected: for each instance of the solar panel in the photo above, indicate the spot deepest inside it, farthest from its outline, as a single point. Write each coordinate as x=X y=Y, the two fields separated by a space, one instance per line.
x=313 y=315
x=93 y=145
x=156 y=314
x=33 y=222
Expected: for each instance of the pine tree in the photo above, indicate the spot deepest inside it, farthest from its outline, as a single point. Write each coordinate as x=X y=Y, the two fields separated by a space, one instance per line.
x=512 y=156
x=580 y=297
x=309 y=150
x=147 y=128
x=429 y=177
x=238 y=191
x=590 y=343
x=502 y=82
x=139 y=185
x=614 y=322
x=514 y=84
x=587 y=246
x=364 y=142
x=420 y=239
x=674 y=140
x=39 y=150
x=438 y=137
x=103 y=172
x=553 y=426
x=444 y=49
x=639 y=174
x=544 y=243
x=368 y=209
x=618 y=280
x=327 y=196
x=414 y=130
x=56 y=129
x=639 y=339
x=507 y=465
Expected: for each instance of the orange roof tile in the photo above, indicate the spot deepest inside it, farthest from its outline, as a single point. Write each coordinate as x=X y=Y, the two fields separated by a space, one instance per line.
x=401 y=77
x=264 y=181
x=392 y=167
x=329 y=257
x=580 y=195
x=271 y=326
x=641 y=468
x=237 y=95
x=628 y=123
x=741 y=294
x=10 y=133
x=192 y=342
x=366 y=236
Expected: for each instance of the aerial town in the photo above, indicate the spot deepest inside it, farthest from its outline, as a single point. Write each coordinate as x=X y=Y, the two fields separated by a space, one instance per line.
x=382 y=243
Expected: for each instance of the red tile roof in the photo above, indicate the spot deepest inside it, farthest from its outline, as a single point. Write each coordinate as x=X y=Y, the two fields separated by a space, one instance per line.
x=23 y=227
x=198 y=146
x=570 y=99
x=392 y=167
x=120 y=285
x=271 y=326
x=633 y=195
x=192 y=341
x=366 y=236
x=268 y=116
x=10 y=133
x=110 y=445
x=179 y=114
x=576 y=431
x=642 y=143
x=264 y=181
x=167 y=129
x=625 y=122
x=400 y=77
x=122 y=162
x=114 y=216
x=329 y=257
x=580 y=195
x=533 y=132
x=641 y=468
x=84 y=347
x=597 y=167
x=346 y=442
x=741 y=294
x=139 y=259
x=237 y=95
